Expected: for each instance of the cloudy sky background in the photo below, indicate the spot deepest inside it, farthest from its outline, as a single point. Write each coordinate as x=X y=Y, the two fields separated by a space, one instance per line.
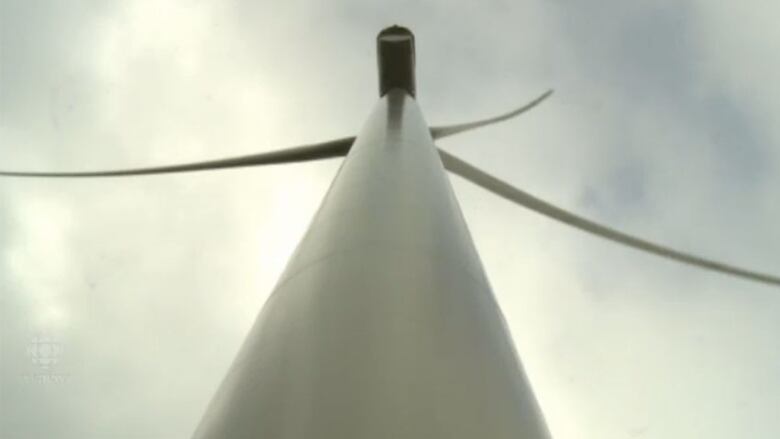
x=663 y=124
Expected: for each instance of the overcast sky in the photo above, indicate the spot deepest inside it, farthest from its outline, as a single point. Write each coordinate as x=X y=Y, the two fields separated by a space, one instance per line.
x=662 y=124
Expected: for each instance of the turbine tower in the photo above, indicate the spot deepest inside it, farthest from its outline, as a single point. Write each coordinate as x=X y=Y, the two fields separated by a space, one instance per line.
x=383 y=324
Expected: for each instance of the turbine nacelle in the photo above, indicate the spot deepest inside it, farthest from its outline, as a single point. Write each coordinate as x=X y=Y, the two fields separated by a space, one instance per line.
x=395 y=54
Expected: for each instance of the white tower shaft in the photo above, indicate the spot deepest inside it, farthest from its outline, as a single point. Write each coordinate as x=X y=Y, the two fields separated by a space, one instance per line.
x=383 y=325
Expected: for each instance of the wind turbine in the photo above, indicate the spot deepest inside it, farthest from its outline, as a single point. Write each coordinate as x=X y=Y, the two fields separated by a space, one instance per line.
x=383 y=323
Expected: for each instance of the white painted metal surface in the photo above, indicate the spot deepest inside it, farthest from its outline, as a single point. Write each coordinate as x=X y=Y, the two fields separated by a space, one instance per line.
x=383 y=325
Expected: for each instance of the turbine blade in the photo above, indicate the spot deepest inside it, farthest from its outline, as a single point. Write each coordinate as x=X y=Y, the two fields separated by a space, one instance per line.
x=333 y=148
x=511 y=193
x=449 y=130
